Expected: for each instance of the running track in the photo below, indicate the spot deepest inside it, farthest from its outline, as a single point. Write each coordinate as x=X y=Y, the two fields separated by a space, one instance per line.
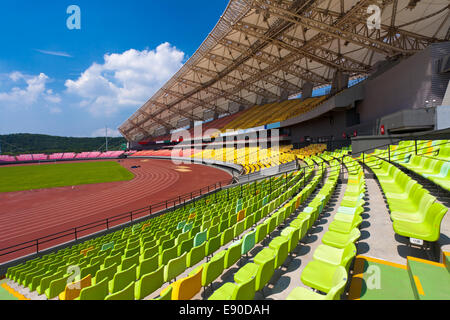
x=29 y=215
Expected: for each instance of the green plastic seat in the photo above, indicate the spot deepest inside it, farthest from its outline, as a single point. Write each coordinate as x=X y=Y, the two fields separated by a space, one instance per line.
x=213 y=245
x=146 y=266
x=280 y=246
x=248 y=242
x=149 y=283
x=125 y=294
x=175 y=267
x=232 y=254
x=212 y=269
x=122 y=279
x=168 y=255
x=232 y=291
x=428 y=229
x=200 y=238
x=227 y=236
x=56 y=287
x=98 y=291
x=196 y=255
x=335 y=256
x=338 y=283
x=341 y=240
x=319 y=275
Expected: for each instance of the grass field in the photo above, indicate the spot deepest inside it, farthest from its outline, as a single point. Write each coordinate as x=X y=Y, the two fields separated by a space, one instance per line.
x=19 y=178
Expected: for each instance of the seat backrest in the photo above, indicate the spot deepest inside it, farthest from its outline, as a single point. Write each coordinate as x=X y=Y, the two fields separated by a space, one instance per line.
x=98 y=291
x=175 y=267
x=233 y=254
x=433 y=218
x=261 y=232
x=185 y=246
x=339 y=281
x=245 y=290
x=196 y=255
x=213 y=245
x=130 y=261
x=200 y=238
x=147 y=265
x=212 y=270
x=123 y=278
x=149 y=283
x=126 y=294
x=227 y=236
x=187 y=288
x=248 y=242
x=168 y=255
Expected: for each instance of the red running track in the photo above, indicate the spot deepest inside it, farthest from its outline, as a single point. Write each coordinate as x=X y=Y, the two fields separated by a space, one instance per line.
x=29 y=215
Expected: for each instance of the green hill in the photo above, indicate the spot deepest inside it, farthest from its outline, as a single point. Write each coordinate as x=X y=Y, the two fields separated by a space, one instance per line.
x=14 y=144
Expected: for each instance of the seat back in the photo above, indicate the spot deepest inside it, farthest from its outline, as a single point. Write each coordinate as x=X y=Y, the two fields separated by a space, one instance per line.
x=147 y=265
x=149 y=283
x=248 y=242
x=200 y=238
x=98 y=291
x=261 y=232
x=233 y=254
x=212 y=270
x=433 y=218
x=126 y=294
x=187 y=288
x=227 y=236
x=175 y=267
x=339 y=281
x=213 y=245
x=196 y=255
x=123 y=278
x=245 y=290
x=73 y=290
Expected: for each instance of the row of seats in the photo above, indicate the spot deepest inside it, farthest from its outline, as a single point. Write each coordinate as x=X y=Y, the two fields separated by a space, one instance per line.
x=208 y=272
x=328 y=272
x=415 y=213
x=256 y=273
x=428 y=158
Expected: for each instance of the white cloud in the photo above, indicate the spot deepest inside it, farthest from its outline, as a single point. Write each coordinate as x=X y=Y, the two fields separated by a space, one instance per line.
x=101 y=133
x=125 y=80
x=29 y=91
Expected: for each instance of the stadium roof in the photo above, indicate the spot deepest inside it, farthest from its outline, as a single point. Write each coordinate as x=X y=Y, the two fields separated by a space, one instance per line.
x=263 y=50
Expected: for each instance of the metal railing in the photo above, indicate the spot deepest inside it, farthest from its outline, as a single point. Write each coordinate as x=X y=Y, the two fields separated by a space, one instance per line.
x=105 y=224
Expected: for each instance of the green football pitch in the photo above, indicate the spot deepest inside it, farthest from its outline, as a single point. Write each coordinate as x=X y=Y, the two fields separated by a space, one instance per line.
x=19 y=178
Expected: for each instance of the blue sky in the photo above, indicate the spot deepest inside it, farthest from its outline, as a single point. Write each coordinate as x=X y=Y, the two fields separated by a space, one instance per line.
x=74 y=82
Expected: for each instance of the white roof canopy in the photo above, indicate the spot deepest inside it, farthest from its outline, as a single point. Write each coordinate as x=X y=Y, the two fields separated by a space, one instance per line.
x=263 y=50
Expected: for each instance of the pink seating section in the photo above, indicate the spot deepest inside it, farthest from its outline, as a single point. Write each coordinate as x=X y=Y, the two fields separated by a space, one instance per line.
x=39 y=157
x=4 y=158
x=24 y=157
x=70 y=155
x=56 y=156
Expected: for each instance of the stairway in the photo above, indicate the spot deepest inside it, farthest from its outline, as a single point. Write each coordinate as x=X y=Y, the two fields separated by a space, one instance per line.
x=419 y=279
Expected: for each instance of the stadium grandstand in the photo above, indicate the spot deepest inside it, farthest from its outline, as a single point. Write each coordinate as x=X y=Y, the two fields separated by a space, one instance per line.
x=333 y=129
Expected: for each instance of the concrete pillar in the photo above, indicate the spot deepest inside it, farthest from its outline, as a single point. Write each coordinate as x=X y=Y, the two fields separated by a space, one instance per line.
x=340 y=81
x=307 y=90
